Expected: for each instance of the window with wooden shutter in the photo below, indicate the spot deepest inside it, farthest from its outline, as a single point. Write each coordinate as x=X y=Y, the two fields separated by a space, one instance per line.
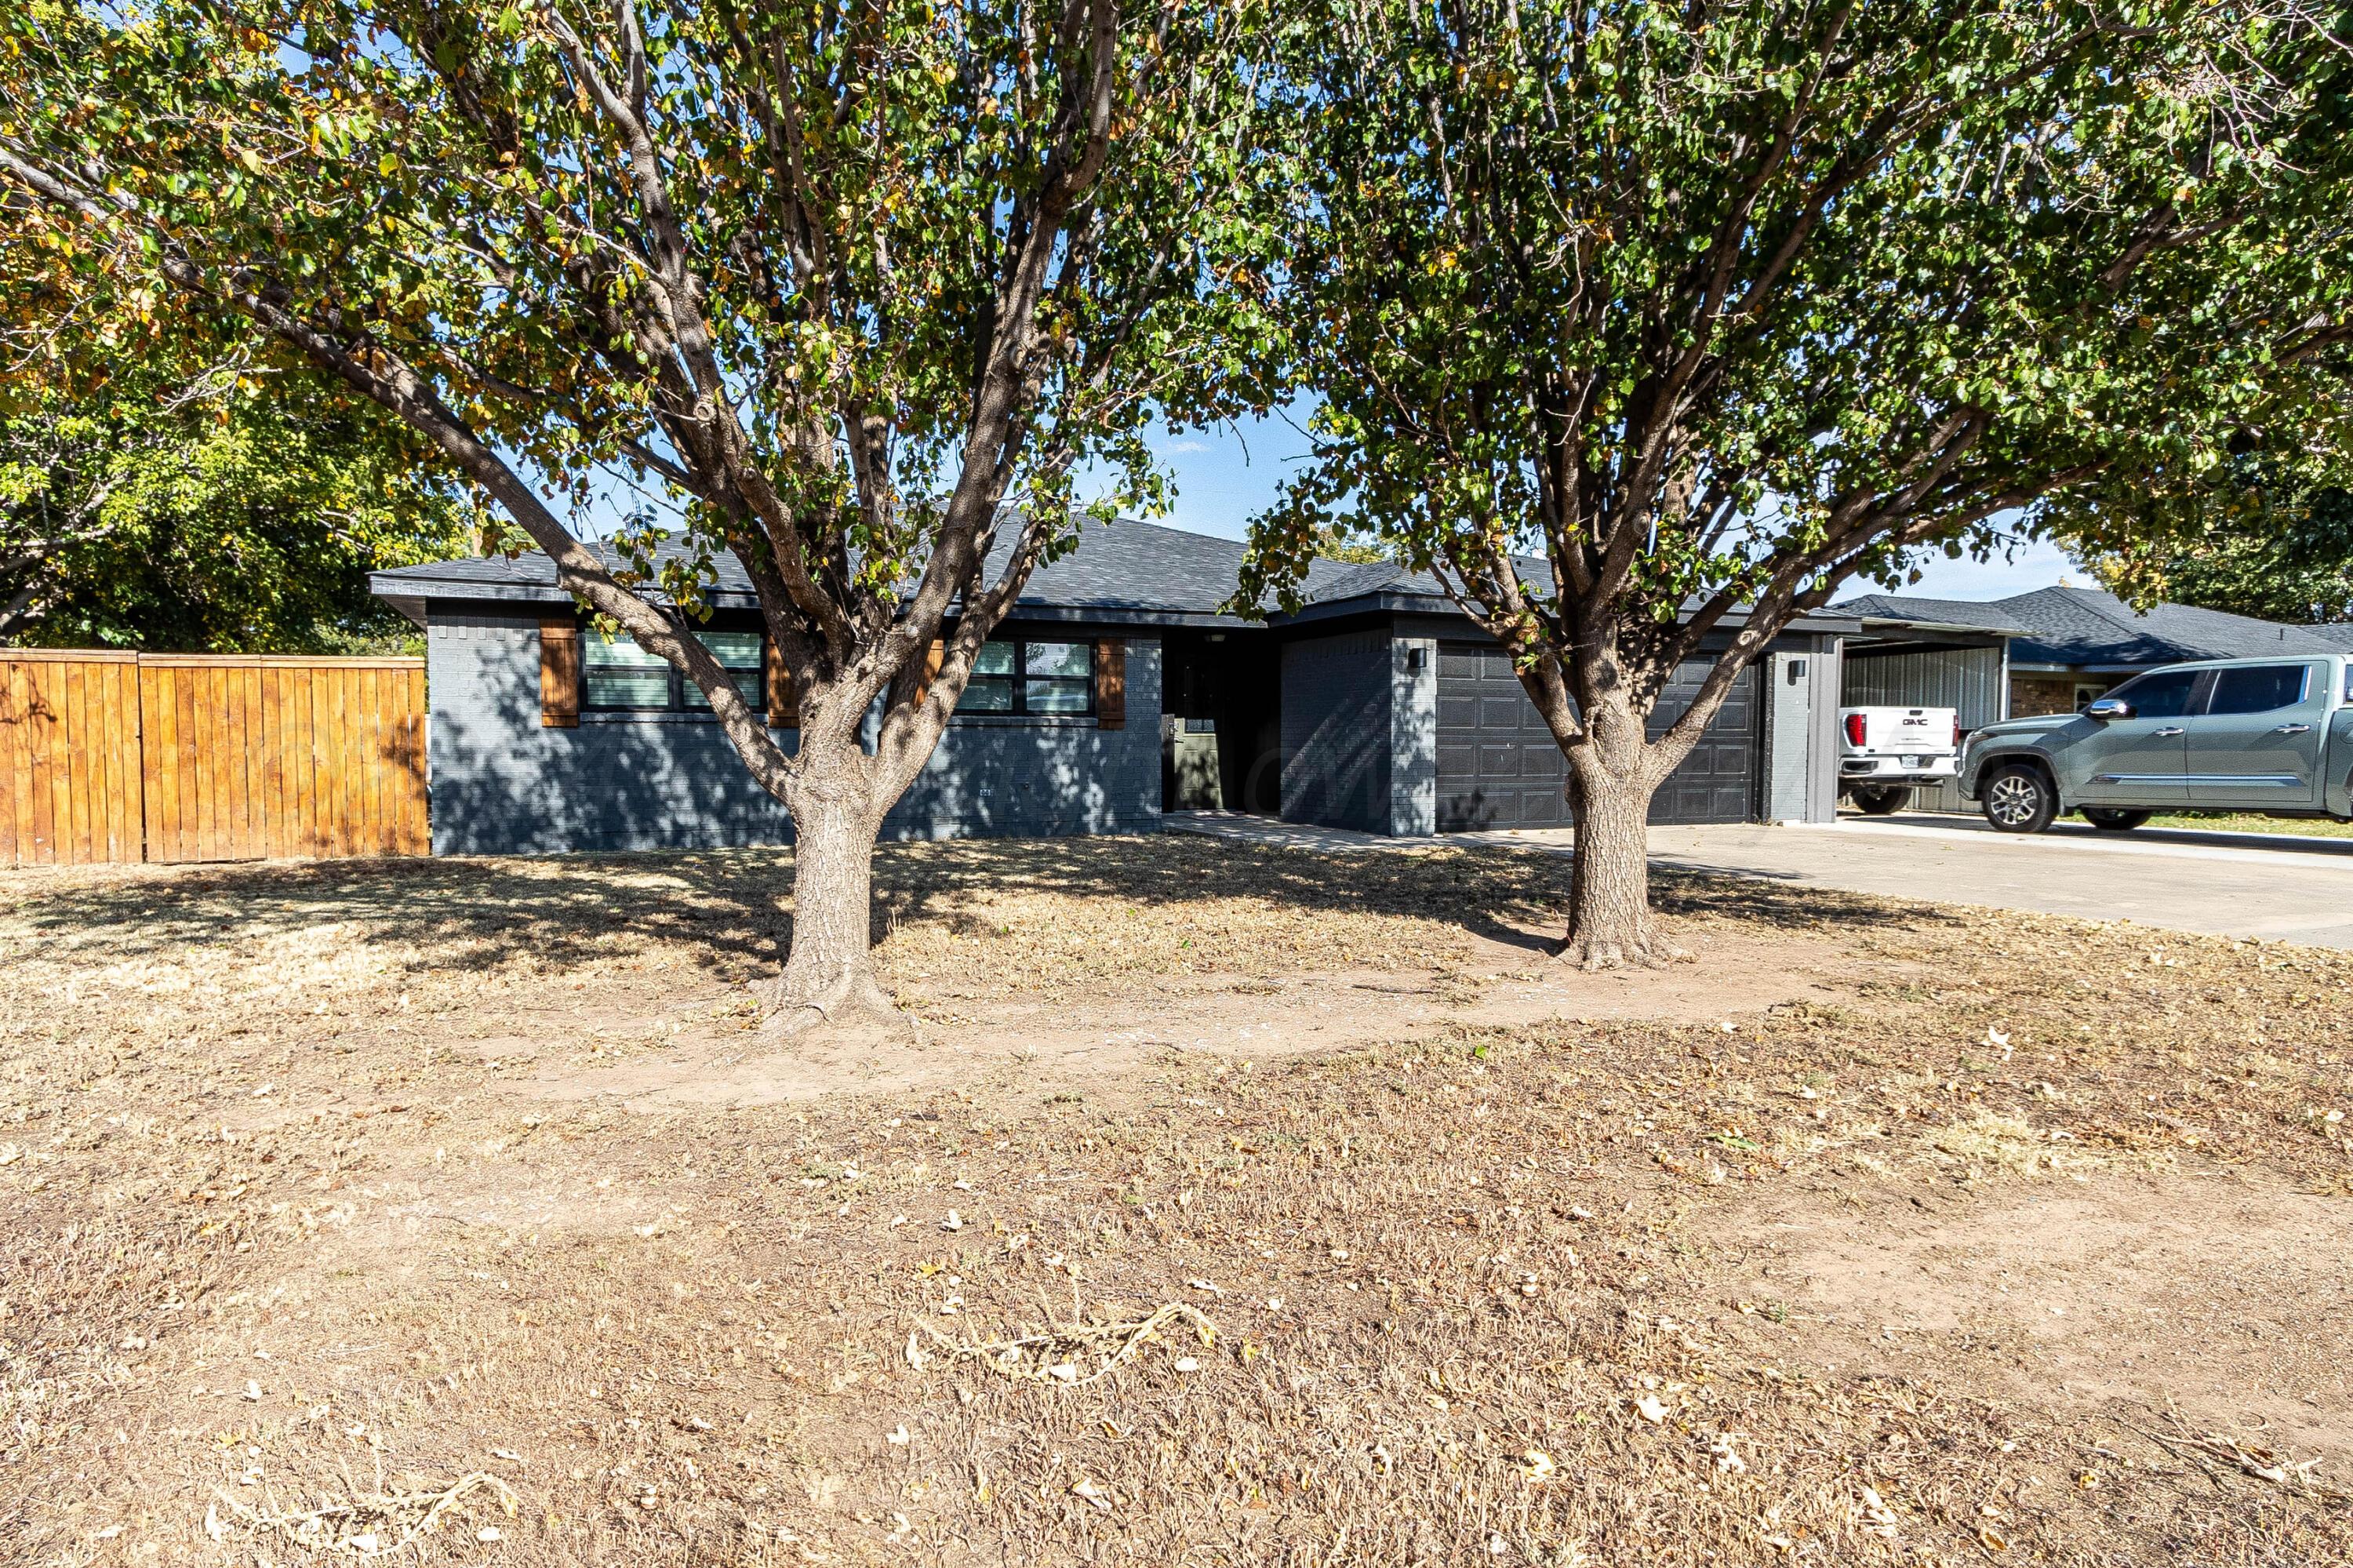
x=784 y=703
x=559 y=671
x=932 y=659
x=1111 y=684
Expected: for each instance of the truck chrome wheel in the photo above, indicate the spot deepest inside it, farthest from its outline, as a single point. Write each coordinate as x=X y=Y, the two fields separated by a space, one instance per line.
x=2018 y=802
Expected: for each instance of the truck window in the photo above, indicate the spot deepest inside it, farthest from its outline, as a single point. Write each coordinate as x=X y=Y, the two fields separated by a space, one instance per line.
x=2164 y=694
x=2259 y=688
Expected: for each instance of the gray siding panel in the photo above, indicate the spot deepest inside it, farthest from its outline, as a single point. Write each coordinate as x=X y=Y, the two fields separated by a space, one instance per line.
x=1968 y=679
x=501 y=784
x=1336 y=692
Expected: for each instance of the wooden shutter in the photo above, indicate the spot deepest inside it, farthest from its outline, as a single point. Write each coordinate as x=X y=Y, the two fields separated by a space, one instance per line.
x=931 y=663
x=1111 y=682
x=784 y=703
x=559 y=671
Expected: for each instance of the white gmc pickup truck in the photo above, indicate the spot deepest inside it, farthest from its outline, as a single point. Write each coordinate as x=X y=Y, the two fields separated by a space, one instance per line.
x=1885 y=753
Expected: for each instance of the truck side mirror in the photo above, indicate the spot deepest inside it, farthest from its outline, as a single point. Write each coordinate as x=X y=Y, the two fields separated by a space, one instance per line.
x=2106 y=708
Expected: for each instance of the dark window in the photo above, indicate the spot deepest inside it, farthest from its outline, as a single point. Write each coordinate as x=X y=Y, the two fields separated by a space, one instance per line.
x=2258 y=689
x=2165 y=695
x=617 y=675
x=1027 y=676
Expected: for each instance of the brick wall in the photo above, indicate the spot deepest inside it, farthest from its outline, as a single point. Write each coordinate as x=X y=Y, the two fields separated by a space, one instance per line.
x=2030 y=696
x=501 y=784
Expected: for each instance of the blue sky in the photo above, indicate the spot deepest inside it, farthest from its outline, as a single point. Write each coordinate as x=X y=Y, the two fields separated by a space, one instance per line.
x=1224 y=476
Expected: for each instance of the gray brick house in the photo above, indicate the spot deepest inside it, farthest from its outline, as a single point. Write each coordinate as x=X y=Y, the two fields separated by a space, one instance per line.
x=1120 y=688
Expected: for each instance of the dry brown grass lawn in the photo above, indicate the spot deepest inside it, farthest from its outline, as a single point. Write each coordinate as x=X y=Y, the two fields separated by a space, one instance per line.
x=1970 y=1238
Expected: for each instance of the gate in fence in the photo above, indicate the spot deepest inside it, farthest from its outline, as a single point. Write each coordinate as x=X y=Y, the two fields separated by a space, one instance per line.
x=198 y=756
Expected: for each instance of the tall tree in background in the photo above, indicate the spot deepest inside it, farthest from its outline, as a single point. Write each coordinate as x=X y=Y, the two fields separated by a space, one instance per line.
x=849 y=290
x=1645 y=328
x=202 y=515
x=2261 y=536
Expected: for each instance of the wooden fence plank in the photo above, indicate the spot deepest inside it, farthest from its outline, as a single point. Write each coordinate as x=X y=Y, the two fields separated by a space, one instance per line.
x=229 y=756
x=314 y=807
x=196 y=747
x=14 y=769
x=299 y=734
x=337 y=763
x=293 y=749
x=236 y=757
x=254 y=824
x=368 y=784
x=53 y=819
x=367 y=763
x=74 y=842
x=162 y=719
x=116 y=718
x=17 y=762
x=414 y=720
x=173 y=759
x=121 y=756
x=154 y=813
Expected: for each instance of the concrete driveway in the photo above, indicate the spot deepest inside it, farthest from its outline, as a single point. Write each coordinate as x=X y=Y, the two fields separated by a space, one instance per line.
x=2280 y=887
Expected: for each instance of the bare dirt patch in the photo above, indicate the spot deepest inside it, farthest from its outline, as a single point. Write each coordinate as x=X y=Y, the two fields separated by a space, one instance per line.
x=1099 y=1039
x=2226 y=1301
x=290 y=1234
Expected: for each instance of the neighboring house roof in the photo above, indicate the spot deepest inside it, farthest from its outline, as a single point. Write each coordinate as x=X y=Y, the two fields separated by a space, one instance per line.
x=2088 y=628
x=1122 y=571
x=1926 y=614
x=2337 y=634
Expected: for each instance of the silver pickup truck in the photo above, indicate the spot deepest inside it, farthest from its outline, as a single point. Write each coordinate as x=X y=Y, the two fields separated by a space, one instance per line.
x=2272 y=737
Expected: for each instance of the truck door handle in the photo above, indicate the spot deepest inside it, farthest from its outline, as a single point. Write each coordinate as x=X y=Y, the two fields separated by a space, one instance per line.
x=2290 y=729
x=2168 y=733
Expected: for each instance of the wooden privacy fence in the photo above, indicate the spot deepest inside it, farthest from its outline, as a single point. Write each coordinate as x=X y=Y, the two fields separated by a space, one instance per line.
x=194 y=757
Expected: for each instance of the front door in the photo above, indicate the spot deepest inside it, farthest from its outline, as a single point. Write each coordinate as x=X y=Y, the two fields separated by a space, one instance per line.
x=2257 y=745
x=2143 y=761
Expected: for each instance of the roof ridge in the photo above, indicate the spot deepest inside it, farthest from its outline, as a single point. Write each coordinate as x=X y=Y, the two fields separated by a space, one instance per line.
x=2088 y=601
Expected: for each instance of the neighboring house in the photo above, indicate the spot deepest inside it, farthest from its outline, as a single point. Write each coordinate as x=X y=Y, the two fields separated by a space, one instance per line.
x=1116 y=689
x=2068 y=645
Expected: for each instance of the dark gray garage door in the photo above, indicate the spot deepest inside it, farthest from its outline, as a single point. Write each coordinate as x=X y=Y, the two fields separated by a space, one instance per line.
x=1499 y=768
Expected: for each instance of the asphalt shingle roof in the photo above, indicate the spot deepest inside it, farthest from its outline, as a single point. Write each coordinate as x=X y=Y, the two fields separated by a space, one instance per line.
x=1149 y=567
x=2088 y=627
x=1920 y=610
x=1120 y=568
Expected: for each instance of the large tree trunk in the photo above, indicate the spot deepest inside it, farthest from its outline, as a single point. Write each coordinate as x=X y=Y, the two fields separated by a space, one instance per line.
x=829 y=972
x=1611 y=786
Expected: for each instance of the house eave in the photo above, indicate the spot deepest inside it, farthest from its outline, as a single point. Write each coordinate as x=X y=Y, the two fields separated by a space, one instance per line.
x=411 y=595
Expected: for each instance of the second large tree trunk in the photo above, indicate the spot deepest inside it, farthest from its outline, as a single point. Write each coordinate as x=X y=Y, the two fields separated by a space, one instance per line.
x=1609 y=919
x=829 y=972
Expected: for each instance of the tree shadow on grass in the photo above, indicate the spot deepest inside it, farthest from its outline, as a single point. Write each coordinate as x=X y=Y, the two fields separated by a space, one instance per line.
x=730 y=909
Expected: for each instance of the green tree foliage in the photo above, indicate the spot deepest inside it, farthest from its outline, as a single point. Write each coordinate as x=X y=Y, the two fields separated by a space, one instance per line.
x=1646 y=327
x=208 y=517
x=846 y=289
